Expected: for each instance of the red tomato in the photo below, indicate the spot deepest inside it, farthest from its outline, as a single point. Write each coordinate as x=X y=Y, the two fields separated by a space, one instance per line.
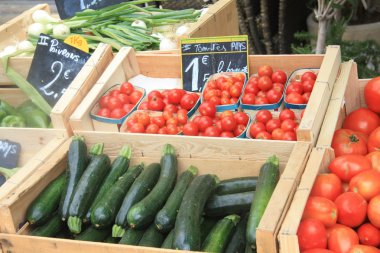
x=225 y=101
x=207 y=109
x=308 y=75
x=342 y=239
x=104 y=112
x=374 y=158
x=374 y=140
x=254 y=80
x=216 y=101
x=233 y=100
x=251 y=88
x=346 y=142
x=228 y=123
x=264 y=136
x=256 y=128
x=170 y=108
x=363 y=249
x=265 y=70
x=288 y=125
x=263 y=116
x=155 y=94
x=208 y=94
x=372 y=94
x=163 y=130
x=117 y=113
x=335 y=226
x=135 y=96
x=235 y=91
x=175 y=96
x=204 y=122
x=227 y=134
x=172 y=121
x=273 y=96
x=295 y=98
x=212 y=84
x=103 y=101
x=261 y=94
x=306 y=97
x=239 y=129
x=279 y=76
x=172 y=129
x=318 y=251
x=265 y=83
x=327 y=185
x=241 y=118
x=373 y=211
x=152 y=129
x=212 y=131
x=261 y=101
x=294 y=87
x=308 y=85
x=287 y=114
x=182 y=116
x=352 y=209
x=124 y=99
x=369 y=235
x=158 y=120
x=366 y=183
x=226 y=114
x=114 y=103
x=127 y=88
x=273 y=124
x=128 y=107
x=362 y=120
x=115 y=93
x=191 y=129
x=278 y=134
x=278 y=87
x=347 y=166
x=322 y=209
x=144 y=119
x=142 y=106
x=289 y=136
x=188 y=101
x=156 y=104
x=239 y=76
x=137 y=128
x=311 y=234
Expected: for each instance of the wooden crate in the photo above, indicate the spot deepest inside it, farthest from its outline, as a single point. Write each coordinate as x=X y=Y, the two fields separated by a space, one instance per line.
x=74 y=94
x=344 y=99
x=224 y=157
x=126 y=65
x=36 y=146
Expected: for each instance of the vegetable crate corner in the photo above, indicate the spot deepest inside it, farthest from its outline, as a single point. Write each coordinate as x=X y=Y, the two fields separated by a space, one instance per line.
x=36 y=145
x=15 y=97
x=223 y=158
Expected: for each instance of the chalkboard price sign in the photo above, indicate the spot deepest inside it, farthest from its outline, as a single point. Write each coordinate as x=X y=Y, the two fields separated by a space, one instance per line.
x=68 y=8
x=9 y=154
x=203 y=57
x=55 y=65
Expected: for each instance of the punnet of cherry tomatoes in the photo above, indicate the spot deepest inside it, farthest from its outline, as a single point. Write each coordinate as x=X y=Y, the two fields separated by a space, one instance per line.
x=342 y=213
x=116 y=103
x=299 y=87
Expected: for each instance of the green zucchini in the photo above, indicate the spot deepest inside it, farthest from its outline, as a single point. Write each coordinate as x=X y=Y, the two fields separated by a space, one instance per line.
x=236 y=185
x=119 y=167
x=207 y=224
x=50 y=228
x=152 y=237
x=86 y=190
x=266 y=183
x=143 y=212
x=221 y=234
x=168 y=242
x=47 y=202
x=110 y=239
x=139 y=189
x=105 y=211
x=187 y=234
x=76 y=164
x=131 y=237
x=238 y=242
x=93 y=235
x=222 y=205
x=165 y=218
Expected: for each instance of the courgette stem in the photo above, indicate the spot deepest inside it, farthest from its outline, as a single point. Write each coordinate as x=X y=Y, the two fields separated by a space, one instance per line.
x=75 y=224
x=97 y=149
x=193 y=170
x=234 y=218
x=77 y=137
x=7 y=173
x=117 y=231
x=126 y=152
x=168 y=150
x=274 y=160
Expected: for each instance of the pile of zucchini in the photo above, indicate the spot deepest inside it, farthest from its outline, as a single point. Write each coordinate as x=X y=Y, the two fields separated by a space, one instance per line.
x=96 y=200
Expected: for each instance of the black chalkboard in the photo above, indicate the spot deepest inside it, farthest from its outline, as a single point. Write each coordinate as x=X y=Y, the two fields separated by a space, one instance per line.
x=68 y=8
x=9 y=154
x=206 y=56
x=55 y=65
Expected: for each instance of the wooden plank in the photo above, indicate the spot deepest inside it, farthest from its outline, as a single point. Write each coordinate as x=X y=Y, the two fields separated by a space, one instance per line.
x=13 y=96
x=330 y=66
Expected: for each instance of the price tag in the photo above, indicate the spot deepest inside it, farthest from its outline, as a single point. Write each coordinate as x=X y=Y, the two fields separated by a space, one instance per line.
x=68 y=8
x=203 y=57
x=77 y=41
x=9 y=154
x=55 y=65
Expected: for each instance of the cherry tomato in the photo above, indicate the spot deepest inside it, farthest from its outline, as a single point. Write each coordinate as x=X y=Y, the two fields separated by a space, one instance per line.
x=278 y=87
x=163 y=130
x=204 y=122
x=172 y=129
x=363 y=249
x=265 y=83
x=115 y=93
x=158 y=120
x=256 y=128
x=114 y=103
x=254 y=80
x=346 y=141
x=322 y=209
x=308 y=85
x=135 y=96
x=172 y=121
x=152 y=129
x=156 y=104
x=347 y=166
x=289 y=136
x=374 y=158
x=182 y=116
x=342 y=239
x=369 y=235
x=171 y=108
x=308 y=75
x=124 y=99
x=117 y=113
x=279 y=76
x=227 y=134
x=175 y=96
x=188 y=101
x=154 y=94
x=191 y=129
x=327 y=185
x=239 y=129
x=265 y=70
x=104 y=112
x=251 y=88
x=278 y=134
x=128 y=108
x=311 y=234
x=126 y=88
x=217 y=100
x=306 y=97
x=366 y=183
x=261 y=94
x=294 y=98
x=263 y=116
x=261 y=101
x=352 y=209
x=273 y=96
x=241 y=118
x=263 y=135
x=235 y=91
x=288 y=125
x=137 y=128
x=103 y=101
x=228 y=123
x=372 y=94
x=286 y=114
x=374 y=140
x=273 y=124
x=207 y=109
x=144 y=119
x=212 y=131
x=294 y=87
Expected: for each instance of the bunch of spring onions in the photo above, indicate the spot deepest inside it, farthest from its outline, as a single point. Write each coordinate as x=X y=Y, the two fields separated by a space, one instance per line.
x=125 y=24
